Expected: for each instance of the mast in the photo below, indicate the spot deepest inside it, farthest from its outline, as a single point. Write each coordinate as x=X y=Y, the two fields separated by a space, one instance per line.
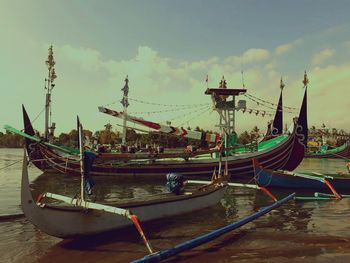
x=49 y=85
x=80 y=140
x=125 y=104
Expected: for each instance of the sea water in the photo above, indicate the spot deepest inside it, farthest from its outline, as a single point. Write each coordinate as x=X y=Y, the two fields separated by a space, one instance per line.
x=314 y=231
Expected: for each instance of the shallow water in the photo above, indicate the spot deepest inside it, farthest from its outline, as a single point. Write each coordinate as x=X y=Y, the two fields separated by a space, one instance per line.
x=316 y=231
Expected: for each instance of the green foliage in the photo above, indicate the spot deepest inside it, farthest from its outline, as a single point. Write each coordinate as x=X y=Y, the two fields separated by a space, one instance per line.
x=9 y=140
x=244 y=138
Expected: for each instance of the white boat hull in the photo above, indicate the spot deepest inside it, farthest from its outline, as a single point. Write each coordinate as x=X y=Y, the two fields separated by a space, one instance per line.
x=69 y=221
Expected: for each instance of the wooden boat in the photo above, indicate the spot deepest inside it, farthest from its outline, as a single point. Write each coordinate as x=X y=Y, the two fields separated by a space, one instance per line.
x=341 y=152
x=66 y=221
x=284 y=152
x=315 y=181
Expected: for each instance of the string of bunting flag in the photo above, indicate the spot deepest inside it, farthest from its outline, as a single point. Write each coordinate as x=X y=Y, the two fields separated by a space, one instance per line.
x=170 y=105
x=161 y=104
x=270 y=107
x=263 y=113
x=264 y=102
x=172 y=110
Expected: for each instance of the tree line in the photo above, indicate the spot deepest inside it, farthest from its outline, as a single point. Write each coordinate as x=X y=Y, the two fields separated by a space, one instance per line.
x=114 y=137
x=9 y=140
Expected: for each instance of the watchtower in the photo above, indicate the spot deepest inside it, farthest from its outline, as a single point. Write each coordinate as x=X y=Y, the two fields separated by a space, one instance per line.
x=224 y=102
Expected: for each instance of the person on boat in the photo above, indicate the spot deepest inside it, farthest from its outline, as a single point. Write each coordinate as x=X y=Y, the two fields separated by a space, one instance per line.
x=88 y=160
x=219 y=146
x=348 y=166
x=175 y=183
x=190 y=149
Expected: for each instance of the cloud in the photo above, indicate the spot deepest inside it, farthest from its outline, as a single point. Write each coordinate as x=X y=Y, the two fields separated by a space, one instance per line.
x=158 y=79
x=322 y=56
x=282 y=49
x=327 y=103
x=249 y=56
x=346 y=45
x=164 y=80
x=89 y=59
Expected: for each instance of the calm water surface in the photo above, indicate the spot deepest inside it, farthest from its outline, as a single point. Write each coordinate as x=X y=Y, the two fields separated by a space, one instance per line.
x=298 y=231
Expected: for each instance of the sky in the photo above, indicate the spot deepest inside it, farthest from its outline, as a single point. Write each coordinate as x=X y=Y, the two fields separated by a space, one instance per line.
x=167 y=48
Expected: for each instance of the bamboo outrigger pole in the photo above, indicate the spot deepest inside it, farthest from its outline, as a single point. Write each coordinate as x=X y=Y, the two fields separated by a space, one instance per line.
x=156 y=257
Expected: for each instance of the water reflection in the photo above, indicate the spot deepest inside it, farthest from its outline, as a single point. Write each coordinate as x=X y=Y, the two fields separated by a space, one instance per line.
x=106 y=189
x=297 y=229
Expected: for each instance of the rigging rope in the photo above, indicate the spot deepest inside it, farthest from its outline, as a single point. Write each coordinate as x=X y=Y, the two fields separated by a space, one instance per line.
x=6 y=166
x=37 y=116
x=184 y=115
x=161 y=104
x=262 y=102
x=170 y=110
x=200 y=113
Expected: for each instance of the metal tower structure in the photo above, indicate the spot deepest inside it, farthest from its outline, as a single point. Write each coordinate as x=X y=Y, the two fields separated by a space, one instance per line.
x=226 y=106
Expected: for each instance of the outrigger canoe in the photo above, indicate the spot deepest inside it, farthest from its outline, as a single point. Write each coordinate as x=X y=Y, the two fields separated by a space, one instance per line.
x=65 y=221
x=315 y=181
x=341 y=152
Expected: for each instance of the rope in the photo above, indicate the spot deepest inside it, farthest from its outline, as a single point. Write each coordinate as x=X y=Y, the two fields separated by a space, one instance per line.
x=268 y=102
x=200 y=113
x=338 y=155
x=182 y=115
x=170 y=110
x=6 y=166
x=160 y=104
x=269 y=107
x=37 y=116
x=33 y=161
x=9 y=159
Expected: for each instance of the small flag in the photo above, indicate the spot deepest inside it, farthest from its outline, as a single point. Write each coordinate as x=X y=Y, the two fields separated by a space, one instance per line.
x=206 y=80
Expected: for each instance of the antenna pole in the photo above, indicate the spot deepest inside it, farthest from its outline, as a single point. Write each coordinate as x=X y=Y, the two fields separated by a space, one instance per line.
x=125 y=104
x=49 y=85
x=243 y=84
x=80 y=134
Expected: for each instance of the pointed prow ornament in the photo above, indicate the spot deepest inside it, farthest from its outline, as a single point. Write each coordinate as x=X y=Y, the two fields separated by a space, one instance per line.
x=282 y=84
x=305 y=80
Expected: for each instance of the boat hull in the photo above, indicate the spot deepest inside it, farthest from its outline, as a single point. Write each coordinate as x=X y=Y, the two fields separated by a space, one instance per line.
x=69 y=221
x=342 y=153
x=285 y=155
x=269 y=178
